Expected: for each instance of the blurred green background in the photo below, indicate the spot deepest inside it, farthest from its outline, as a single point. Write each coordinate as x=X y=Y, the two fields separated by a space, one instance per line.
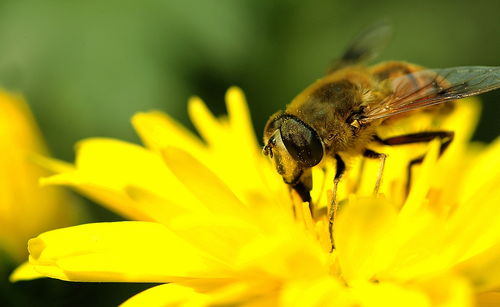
x=87 y=66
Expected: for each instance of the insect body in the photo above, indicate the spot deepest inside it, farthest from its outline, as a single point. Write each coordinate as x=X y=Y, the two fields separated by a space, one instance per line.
x=338 y=114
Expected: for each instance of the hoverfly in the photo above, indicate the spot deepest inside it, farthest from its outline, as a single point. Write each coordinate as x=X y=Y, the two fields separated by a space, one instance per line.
x=338 y=114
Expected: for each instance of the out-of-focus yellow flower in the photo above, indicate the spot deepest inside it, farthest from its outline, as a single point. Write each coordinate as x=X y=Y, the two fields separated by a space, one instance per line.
x=26 y=209
x=216 y=224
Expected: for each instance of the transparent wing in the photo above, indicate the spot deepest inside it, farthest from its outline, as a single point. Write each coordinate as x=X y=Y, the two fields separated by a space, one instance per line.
x=430 y=87
x=366 y=46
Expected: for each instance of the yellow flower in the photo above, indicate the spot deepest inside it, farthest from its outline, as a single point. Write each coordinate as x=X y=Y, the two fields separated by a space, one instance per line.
x=216 y=225
x=25 y=208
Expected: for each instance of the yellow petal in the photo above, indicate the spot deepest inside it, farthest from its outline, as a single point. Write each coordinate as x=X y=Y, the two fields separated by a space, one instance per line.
x=360 y=229
x=485 y=168
x=203 y=183
x=419 y=190
x=17 y=125
x=483 y=270
x=119 y=252
x=25 y=271
x=116 y=164
x=446 y=291
x=242 y=168
x=475 y=224
x=285 y=255
x=25 y=208
x=205 y=122
x=248 y=149
x=245 y=294
x=167 y=295
x=219 y=236
x=106 y=167
x=157 y=130
x=53 y=165
x=389 y=295
x=239 y=117
x=463 y=120
x=261 y=292
x=114 y=199
x=316 y=293
x=160 y=209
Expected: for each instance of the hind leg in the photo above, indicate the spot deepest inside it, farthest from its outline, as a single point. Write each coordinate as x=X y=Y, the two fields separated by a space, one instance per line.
x=446 y=137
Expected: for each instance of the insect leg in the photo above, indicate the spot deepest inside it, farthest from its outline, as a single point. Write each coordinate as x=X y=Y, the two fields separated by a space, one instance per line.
x=376 y=155
x=332 y=212
x=446 y=138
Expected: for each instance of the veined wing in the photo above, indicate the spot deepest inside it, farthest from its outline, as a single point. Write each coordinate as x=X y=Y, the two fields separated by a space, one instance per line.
x=430 y=87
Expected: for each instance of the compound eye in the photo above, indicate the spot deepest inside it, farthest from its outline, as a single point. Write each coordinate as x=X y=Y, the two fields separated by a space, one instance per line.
x=301 y=142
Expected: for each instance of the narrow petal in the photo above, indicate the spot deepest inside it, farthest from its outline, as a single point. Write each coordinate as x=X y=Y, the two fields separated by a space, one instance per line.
x=157 y=130
x=360 y=230
x=26 y=209
x=389 y=295
x=112 y=198
x=116 y=164
x=205 y=122
x=245 y=294
x=119 y=252
x=161 y=209
x=241 y=167
x=106 y=167
x=483 y=270
x=53 y=165
x=25 y=271
x=485 y=168
x=259 y=292
x=446 y=291
x=287 y=254
x=203 y=183
x=464 y=120
x=419 y=190
x=475 y=224
x=251 y=175
x=219 y=236
x=316 y=293
x=239 y=117
x=167 y=295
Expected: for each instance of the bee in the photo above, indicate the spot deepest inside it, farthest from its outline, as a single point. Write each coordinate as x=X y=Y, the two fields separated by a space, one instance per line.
x=338 y=115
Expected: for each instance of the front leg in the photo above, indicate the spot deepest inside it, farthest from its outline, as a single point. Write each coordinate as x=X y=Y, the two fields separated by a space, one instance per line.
x=332 y=210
